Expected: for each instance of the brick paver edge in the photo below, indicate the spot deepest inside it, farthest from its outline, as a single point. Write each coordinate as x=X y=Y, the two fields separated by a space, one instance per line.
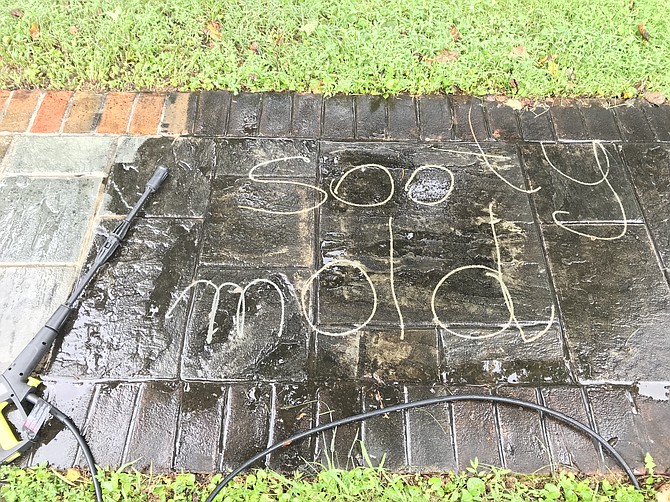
x=174 y=114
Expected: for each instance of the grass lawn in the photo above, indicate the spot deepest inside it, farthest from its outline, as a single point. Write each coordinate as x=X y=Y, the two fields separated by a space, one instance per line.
x=362 y=484
x=516 y=47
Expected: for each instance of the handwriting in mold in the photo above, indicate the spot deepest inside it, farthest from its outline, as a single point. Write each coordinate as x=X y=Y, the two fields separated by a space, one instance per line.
x=334 y=191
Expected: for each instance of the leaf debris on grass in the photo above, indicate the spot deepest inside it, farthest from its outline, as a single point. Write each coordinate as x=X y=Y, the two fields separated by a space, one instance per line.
x=338 y=46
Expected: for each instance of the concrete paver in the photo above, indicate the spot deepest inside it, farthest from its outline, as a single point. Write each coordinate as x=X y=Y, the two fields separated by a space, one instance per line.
x=60 y=154
x=357 y=213
x=45 y=220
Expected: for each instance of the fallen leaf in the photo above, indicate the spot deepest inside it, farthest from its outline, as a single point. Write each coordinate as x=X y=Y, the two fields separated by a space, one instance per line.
x=115 y=14
x=518 y=51
x=552 y=68
x=309 y=28
x=643 y=32
x=73 y=30
x=514 y=83
x=72 y=474
x=454 y=32
x=213 y=30
x=547 y=59
x=253 y=47
x=629 y=94
x=34 y=31
x=514 y=104
x=655 y=98
x=445 y=56
x=16 y=13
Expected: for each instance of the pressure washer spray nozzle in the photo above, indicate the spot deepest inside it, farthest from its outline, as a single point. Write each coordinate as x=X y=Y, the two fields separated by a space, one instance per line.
x=158 y=178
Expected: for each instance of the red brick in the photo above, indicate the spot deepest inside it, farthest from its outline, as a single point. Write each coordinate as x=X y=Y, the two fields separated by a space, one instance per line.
x=147 y=114
x=50 y=115
x=20 y=110
x=3 y=98
x=115 y=114
x=83 y=112
x=178 y=114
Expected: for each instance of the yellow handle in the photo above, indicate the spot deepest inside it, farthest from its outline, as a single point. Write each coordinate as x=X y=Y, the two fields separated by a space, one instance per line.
x=7 y=438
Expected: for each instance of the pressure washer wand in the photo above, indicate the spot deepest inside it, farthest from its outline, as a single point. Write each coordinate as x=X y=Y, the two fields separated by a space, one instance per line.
x=16 y=383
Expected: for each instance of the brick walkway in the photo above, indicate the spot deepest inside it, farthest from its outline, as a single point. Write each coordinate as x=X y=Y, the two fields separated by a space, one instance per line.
x=152 y=388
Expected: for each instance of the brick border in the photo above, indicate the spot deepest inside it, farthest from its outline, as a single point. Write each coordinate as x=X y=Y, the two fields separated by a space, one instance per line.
x=400 y=118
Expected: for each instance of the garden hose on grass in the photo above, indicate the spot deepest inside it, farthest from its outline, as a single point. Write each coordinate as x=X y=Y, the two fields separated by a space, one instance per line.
x=86 y=450
x=561 y=417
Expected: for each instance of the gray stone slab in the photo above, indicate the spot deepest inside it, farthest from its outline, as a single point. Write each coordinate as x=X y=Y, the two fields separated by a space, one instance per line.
x=524 y=445
x=599 y=121
x=536 y=124
x=57 y=444
x=199 y=429
x=275 y=118
x=435 y=118
x=503 y=121
x=237 y=157
x=5 y=143
x=294 y=406
x=429 y=240
x=211 y=114
x=387 y=358
x=431 y=446
x=617 y=420
x=185 y=193
x=654 y=417
x=261 y=350
x=568 y=122
x=615 y=304
x=121 y=329
x=659 y=120
x=249 y=225
x=469 y=118
x=244 y=114
x=247 y=423
x=339 y=447
x=429 y=243
x=475 y=184
x=403 y=122
x=650 y=169
x=475 y=429
x=384 y=436
x=30 y=296
x=45 y=219
x=370 y=117
x=633 y=123
x=581 y=203
x=337 y=357
x=338 y=117
x=569 y=447
x=60 y=154
x=128 y=147
x=151 y=438
x=487 y=358
x=108 y=423
x=306 y=120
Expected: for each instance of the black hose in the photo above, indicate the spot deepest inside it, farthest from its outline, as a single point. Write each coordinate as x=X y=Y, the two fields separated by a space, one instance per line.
x=67 y=422
x=561 y=417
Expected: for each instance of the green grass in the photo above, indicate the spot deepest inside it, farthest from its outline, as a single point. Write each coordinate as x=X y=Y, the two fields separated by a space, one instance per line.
x=361 y=484
x=331 y=46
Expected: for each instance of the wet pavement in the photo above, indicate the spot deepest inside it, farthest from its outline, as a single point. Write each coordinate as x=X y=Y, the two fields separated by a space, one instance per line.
x=309 y=259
